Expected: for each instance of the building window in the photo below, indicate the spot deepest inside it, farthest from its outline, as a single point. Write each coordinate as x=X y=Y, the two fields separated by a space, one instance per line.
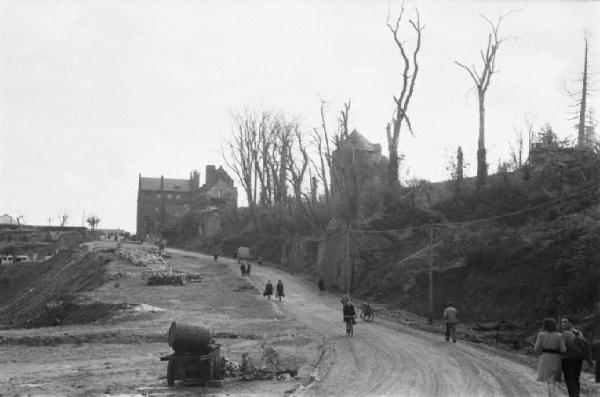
x=155 y=209
x=157 y=195
x=169 y=196
x=178 y=197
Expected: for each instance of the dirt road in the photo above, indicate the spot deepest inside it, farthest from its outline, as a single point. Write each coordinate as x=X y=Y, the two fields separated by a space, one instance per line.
x=120 y=355
x=384 y=358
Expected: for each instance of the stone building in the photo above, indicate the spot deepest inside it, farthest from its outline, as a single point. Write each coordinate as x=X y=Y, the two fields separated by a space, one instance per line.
x=161 y=201
x=358 y=176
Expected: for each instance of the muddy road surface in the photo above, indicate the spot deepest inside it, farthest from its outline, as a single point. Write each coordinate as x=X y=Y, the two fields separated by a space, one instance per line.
x=384 y=358
x=120 y=354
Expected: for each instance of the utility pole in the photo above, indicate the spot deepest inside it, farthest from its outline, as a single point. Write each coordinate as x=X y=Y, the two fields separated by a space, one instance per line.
x=431 y=274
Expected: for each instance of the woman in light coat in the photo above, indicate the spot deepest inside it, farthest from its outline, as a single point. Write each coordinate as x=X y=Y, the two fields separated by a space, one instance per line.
x=551 y=344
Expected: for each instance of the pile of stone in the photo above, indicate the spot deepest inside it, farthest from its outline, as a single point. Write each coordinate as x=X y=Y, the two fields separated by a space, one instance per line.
x=232 y=369
x=143 y=257
x=167 y=278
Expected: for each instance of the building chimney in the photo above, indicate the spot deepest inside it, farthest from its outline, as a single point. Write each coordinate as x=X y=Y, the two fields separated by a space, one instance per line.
x=162 y=182
x=211 y=175
x=194 y=180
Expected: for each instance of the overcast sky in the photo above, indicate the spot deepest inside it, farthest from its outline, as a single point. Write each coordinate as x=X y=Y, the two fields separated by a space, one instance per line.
x=94 y=92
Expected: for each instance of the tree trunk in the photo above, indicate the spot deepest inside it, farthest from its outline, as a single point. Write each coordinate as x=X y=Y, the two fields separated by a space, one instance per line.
x=393 y=166
x=481 y=154
x=582 y=110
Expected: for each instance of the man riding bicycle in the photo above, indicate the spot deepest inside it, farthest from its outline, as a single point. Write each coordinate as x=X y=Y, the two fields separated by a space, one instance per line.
x=349 y=316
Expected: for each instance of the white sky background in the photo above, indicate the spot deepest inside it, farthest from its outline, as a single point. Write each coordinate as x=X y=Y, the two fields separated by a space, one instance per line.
x=94 y=92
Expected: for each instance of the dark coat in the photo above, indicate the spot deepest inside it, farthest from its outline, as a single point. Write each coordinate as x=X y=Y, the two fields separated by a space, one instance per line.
x=349 y=310
x=280 y=289
x=268 y=289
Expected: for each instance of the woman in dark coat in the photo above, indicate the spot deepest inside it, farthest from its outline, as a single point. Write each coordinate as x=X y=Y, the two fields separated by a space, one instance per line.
x=268 y=290
x=280 y=290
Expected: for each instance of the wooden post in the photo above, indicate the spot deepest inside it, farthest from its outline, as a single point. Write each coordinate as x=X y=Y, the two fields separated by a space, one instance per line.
x=431 y=275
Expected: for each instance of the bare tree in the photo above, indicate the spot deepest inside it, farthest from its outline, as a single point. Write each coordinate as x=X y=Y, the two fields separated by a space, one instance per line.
x=242 y=153
x=517 y=148
x=456 y=167
x=297 y=168
x=63 y=218
x=321 y=141
x=344 y=176
x=93 y=221
x=19 y=223
x=482 y=82
x=409 y=77
x=584 y=113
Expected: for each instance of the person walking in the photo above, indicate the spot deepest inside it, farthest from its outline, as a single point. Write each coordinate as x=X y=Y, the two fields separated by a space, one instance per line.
x=243 y=269
x=573 y=358
x=268 y=290
x=551 y=344
x=451 y=319
x=248 y=268
x=280 y=290
x=321 y=286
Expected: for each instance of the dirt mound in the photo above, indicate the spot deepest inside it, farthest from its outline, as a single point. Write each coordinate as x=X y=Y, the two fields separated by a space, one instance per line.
x=36 y=294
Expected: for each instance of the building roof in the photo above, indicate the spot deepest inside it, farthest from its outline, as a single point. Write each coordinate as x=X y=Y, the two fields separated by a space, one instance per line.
x=222 y=174
x=357 y=141
x=169 y=185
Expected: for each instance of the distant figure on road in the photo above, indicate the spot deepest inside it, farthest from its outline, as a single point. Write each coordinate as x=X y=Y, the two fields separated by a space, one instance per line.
x=321 y=286
x=248 y=268
x=235 y=254
x=451 y=320
x=268 y=290
x=573 y=358
x=216 y=256
x=280 y=290
x=348 y=311
x=243 y=269
x=551 y=344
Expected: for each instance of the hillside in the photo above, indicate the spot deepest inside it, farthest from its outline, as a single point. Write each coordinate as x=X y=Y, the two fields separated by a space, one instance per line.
x=34 y=294
x=523 y=247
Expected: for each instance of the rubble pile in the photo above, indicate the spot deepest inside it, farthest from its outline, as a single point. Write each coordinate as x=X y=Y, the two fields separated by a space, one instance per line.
x=232 y=369
x=148 y=258
x=167 y=278
x=157 y=271
x=271 y=366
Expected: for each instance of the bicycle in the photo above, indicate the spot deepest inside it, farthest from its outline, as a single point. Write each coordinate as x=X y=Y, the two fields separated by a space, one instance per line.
x=366 y=313
x=349 y=320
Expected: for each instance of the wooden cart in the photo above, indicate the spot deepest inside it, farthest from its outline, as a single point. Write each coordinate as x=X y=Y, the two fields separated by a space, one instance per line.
x=206 y=368
x=196 y=359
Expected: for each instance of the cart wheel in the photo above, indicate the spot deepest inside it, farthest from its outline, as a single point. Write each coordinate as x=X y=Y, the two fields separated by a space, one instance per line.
x=219 y=369
x=367 y=317
x=171 y=373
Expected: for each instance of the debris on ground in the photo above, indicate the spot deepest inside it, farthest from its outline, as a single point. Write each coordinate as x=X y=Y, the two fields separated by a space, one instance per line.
x=270 y=366
x=232 y=369
x=146 y=257
x=142 y=307
x=167 y=278
x=171 y=277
